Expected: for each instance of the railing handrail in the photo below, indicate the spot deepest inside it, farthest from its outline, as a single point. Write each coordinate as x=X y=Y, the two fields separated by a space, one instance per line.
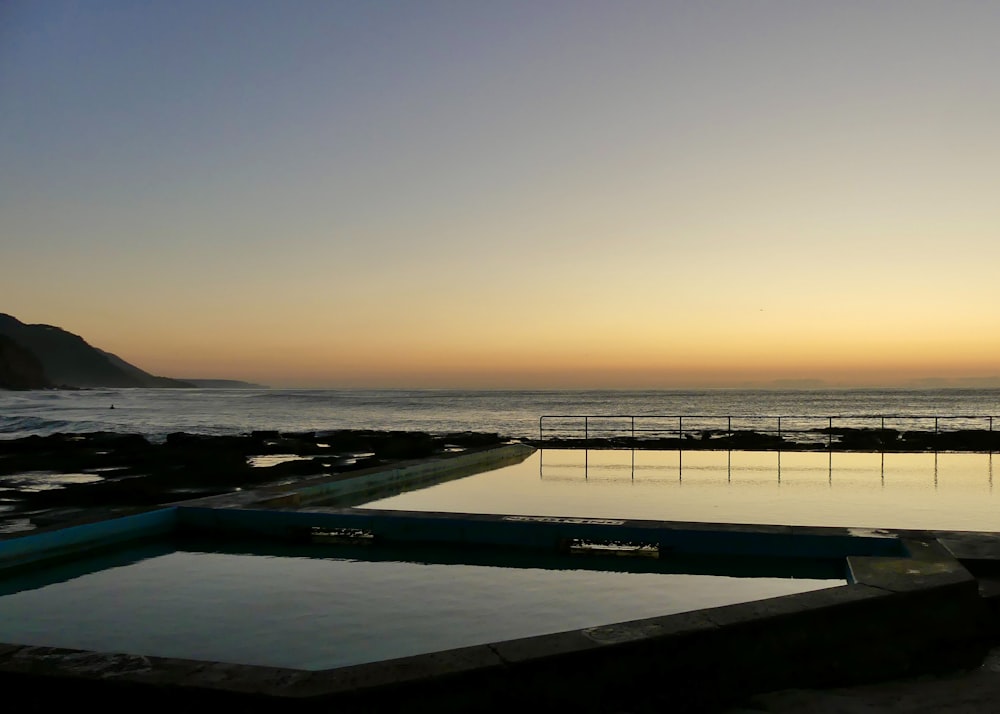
x=778 y=418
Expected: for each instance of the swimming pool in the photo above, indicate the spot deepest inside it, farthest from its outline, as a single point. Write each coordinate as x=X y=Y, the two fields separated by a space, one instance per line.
x=894 y=490
x=275 y=597
x=313 y=608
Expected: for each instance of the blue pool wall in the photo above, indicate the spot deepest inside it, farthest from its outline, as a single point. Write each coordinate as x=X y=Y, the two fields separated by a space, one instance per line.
x=547 y=532
x=544 y=533
x=76 y=540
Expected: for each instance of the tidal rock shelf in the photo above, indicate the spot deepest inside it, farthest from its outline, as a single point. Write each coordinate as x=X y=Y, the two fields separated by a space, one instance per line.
x=63 y=477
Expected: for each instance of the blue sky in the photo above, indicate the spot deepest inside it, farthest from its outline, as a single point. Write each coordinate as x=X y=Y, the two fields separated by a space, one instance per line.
x=507 y=194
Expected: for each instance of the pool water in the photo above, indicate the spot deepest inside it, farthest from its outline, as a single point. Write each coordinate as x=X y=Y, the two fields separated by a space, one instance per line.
x=947 y=491
x=316 y=608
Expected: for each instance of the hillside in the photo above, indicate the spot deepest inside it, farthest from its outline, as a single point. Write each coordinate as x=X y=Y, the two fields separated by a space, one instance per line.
x=67 y=360
x=224 y=384
x=19 y=367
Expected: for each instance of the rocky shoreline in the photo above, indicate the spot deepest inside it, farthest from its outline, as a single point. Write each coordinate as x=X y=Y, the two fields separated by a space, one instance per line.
x=62 y=478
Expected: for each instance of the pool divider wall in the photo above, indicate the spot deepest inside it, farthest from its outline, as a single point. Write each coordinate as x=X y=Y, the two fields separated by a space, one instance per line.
x=543 y=532
x=397 y=478
x=74 y=541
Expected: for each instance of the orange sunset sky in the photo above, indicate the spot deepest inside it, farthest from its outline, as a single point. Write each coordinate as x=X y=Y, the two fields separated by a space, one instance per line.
x=512 y=194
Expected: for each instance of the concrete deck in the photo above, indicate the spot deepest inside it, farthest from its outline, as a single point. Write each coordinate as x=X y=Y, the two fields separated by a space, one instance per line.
x=976 y=691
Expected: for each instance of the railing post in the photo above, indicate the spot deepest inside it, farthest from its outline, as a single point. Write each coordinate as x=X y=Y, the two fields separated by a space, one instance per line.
x=780 y=426
x=633 y=448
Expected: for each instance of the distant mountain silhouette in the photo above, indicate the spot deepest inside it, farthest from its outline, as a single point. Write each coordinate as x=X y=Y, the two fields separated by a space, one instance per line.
x=224 y=384
x=19 y=367
x=68 y=361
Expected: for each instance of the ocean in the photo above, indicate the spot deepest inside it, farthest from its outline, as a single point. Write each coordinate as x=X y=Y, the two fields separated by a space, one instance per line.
x=514 y=413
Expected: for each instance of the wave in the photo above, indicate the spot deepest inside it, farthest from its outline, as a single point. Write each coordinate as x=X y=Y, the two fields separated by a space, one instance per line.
x=27 y=425
x=156 y=413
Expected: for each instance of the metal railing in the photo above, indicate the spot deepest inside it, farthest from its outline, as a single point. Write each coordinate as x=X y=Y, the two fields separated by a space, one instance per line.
x=788 y=429
x=570 y=471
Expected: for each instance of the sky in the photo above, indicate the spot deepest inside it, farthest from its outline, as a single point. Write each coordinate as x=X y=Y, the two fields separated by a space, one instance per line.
x=517 y=194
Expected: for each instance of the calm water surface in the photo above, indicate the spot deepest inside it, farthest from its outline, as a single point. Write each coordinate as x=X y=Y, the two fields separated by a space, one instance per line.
x=948 y=491
x=287 y=610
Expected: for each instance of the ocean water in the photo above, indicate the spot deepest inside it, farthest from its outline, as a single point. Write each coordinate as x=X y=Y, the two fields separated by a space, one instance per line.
x=514 y=413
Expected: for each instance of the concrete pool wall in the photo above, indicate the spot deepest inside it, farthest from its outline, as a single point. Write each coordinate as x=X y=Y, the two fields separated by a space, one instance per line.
x=386 y=480
x=909 y=606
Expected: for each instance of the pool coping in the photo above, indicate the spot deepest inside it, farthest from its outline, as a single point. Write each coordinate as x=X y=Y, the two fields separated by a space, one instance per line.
x=910 y=606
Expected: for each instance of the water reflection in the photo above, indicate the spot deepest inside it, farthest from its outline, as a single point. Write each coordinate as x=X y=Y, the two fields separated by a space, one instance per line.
x=561 y=462
x=286 y=607
x=881 y=490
